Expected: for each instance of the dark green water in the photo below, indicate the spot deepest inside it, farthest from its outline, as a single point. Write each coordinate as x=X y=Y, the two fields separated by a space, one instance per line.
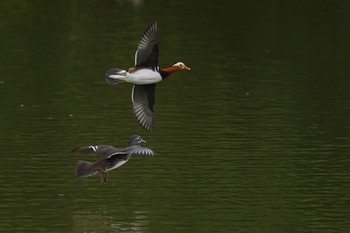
x=255 y=138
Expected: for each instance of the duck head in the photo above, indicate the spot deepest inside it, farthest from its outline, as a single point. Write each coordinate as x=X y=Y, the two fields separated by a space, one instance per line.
x=180 y=66
x=176 y=67
x=135 y=140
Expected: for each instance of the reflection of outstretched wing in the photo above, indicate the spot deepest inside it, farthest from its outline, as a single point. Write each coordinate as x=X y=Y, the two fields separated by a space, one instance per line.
x=99 y=150
x=140 y=150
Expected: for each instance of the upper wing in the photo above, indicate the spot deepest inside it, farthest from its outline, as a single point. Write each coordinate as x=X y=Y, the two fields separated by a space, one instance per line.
x=100 y=149
x=148 y=48
x=143 y=101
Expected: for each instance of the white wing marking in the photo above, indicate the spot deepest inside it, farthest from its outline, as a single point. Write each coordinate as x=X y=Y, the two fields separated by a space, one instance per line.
x=136 y=57
x=93 y=147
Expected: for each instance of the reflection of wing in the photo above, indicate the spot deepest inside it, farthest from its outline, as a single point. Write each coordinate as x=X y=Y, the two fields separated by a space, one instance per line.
x=143 y=101
x=148 y=48
x=140 y=150
x=133 y=150
x=100 y=149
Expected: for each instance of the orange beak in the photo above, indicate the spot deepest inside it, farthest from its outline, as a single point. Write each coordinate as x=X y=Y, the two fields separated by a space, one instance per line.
x=187 y=68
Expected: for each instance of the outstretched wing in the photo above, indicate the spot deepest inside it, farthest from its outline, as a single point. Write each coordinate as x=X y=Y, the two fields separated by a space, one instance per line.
x=99 y=149
x=148 y=48
x=140 y=150
x=142 y=102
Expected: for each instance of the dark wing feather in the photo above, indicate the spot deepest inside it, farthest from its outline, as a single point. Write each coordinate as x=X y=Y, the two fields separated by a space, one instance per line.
x=143 y=101
x=148 y=48
x=99 y=149
x=120 y=155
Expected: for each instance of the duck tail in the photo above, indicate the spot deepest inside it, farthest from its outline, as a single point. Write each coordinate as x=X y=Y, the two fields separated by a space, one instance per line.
x=112 y=76
x=84 y=169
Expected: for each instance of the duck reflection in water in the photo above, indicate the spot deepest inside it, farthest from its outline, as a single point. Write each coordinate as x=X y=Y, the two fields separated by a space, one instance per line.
x=111 y=157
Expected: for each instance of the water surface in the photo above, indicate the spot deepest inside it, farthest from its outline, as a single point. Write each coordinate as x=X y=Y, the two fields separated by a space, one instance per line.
x=255 y=138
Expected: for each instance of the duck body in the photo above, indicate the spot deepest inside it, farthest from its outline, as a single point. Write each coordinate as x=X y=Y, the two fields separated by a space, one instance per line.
x=138 y=76
x=144 y=75
x=111 y=157
x=102 y=166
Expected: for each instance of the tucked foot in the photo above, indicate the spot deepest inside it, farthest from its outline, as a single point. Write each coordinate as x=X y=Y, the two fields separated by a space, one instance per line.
x=106 y=176
x=103 y=176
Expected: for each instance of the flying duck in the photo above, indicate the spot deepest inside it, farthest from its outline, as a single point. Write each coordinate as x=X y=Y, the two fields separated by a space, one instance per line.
x=144 y=75
x=111 y=157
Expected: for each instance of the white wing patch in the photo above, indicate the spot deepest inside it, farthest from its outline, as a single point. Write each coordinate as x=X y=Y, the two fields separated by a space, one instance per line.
x=136 y=57
x=132 y=93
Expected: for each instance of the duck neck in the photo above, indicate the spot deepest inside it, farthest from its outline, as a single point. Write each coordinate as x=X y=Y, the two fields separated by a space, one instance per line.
x=131 y=143
x=165 y=72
